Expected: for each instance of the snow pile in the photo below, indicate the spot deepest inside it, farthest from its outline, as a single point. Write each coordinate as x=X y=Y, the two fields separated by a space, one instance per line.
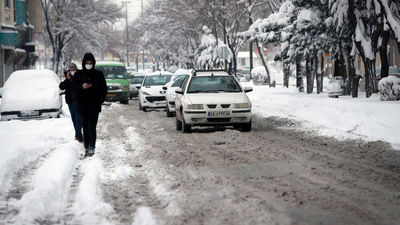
x=183 y=72
x=50 y=186
x=144 y=217
x=31 y=90
x=25 y=141
x=89 y=207
x=361 y=118
x=389 y=88
x=259 y=75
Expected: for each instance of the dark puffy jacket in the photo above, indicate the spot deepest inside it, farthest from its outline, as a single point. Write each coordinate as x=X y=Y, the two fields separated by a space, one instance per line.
x=69 y=85
x=92 y=98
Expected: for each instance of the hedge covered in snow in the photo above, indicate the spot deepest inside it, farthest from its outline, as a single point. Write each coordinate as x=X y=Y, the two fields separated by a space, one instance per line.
x=389 y=88
x=259 y=75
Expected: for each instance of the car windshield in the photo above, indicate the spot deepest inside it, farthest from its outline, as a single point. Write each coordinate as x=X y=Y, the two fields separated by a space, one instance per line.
x=179 y=80
x=393 y=70
x=157 y=80
x=212 y=84
x=137 y=80
x=113 y=72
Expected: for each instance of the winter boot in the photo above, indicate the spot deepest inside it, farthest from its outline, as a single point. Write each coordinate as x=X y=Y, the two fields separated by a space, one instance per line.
x=87 y=154
x=91 y=151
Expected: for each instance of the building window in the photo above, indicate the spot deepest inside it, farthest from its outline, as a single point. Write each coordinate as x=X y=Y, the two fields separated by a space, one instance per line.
x=7 y=4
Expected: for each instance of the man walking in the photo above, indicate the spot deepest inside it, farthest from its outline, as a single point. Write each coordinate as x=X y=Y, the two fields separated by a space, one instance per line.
x=71 y=99
x=92 y=91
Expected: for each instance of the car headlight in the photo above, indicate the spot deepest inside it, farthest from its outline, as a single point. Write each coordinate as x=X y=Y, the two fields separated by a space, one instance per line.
x=145 y=93
x=194 y=106
x=242 y=105
x=125 y=87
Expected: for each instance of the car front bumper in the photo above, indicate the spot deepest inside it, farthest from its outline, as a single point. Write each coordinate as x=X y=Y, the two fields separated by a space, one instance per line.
x=39 y=114
x=113 y=96
x=203 y=117
x=153 y=101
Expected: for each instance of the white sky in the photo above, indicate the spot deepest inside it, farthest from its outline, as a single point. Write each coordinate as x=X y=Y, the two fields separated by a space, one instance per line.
x=134 y=8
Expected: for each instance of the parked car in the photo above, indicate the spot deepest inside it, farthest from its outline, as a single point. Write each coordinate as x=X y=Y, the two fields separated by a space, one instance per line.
x=170 y=88
x=31 y=94
x=151 y=94
x=336 y=87
x=212 y=98
x=136 y=80
x=243 y=74
x=117 y=81
x=393 y=71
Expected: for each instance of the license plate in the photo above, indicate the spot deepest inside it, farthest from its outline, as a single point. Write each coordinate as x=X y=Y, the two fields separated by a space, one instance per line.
x=111 y=95
x=160 y=103
x=219 y=114
x=29 y=113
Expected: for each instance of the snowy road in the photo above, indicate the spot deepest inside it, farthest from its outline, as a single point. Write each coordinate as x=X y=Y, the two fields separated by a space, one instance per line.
x=145 y=172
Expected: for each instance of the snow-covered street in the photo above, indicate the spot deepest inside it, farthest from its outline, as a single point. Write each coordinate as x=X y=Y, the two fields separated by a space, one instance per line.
x=145 y=172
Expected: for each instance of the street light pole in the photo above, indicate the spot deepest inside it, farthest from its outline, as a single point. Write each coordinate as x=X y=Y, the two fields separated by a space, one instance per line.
x=126 y=31
x=143 y=48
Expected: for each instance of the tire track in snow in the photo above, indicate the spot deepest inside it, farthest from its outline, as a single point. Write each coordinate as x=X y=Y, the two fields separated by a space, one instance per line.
x=46 y=201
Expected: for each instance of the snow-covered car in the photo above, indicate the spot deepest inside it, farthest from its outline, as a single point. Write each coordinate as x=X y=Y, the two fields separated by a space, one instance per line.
x=170 y=88
x=30 y=94
x=136 y=80
x=212 y=98
x=335 y=87
x=152 y=94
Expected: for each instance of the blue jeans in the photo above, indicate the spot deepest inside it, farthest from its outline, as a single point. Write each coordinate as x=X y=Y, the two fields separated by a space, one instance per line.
x=76 y=120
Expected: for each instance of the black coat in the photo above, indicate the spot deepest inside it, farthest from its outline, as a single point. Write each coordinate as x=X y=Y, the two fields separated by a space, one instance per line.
x=68 y=85
x=92 y=98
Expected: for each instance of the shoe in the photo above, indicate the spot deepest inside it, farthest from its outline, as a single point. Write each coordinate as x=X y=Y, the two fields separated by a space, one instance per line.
x=87 y=154
x=91 y=151
x=79 y=139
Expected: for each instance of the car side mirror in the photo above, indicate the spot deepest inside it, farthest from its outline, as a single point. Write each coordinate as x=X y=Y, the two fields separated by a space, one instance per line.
x=179 y=91
x=138 y=86
x=165 y=88
x=248 y=89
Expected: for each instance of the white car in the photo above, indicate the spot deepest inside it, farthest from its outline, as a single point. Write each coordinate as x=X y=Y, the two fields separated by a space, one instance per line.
x=151 y=93
x=31 y=94
x=175 y=83
x=335 y=87
x=212 y=98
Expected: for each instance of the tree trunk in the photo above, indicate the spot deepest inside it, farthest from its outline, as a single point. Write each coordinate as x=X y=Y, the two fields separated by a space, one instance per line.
x=286 y=74
x=310 y=85
x=264 y=63
x=369 y=79
x=319 y=73
x=299 y=77
x=351 y=74
x=384 y=55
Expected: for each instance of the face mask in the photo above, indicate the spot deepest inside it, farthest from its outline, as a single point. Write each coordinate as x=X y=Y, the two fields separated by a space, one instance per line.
x=72 y=72
x=88 y=66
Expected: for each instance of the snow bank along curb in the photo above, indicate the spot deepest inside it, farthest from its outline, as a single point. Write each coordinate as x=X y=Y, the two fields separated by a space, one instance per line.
x=50 y=186
x=366 y=119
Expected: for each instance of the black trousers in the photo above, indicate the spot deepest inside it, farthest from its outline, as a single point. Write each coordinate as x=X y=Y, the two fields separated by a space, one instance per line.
x=89 y=123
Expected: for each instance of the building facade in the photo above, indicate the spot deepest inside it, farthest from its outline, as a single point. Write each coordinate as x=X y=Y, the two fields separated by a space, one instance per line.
x=17 y=49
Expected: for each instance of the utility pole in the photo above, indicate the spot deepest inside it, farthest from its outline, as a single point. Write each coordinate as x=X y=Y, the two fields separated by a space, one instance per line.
x=225 y=60
x=143 y=48
x=126 y=31
x=251 y=43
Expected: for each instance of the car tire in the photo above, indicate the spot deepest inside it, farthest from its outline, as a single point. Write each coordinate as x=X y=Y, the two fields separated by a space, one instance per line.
x=186 y=128
x=246 y=127
x=144 y=109
x=178 y=125
x=168 y=113
x=126 y=102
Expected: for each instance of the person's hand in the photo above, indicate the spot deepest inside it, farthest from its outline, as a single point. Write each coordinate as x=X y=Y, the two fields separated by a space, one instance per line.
x=86 y=85
x=69 y=75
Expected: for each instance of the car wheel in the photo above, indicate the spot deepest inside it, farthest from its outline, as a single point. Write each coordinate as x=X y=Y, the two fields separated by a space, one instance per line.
x=178 y=125
x=144 y=109
x=167 y=112
x=186 y=128
x=246 y=127
x=126 y=102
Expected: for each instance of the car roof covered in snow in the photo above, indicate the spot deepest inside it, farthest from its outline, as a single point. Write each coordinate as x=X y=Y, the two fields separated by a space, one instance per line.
x=211 y=73
x=109 y=63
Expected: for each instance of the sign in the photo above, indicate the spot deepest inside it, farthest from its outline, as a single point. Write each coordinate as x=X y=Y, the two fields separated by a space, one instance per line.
x=20 y=12
x=9 y=38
